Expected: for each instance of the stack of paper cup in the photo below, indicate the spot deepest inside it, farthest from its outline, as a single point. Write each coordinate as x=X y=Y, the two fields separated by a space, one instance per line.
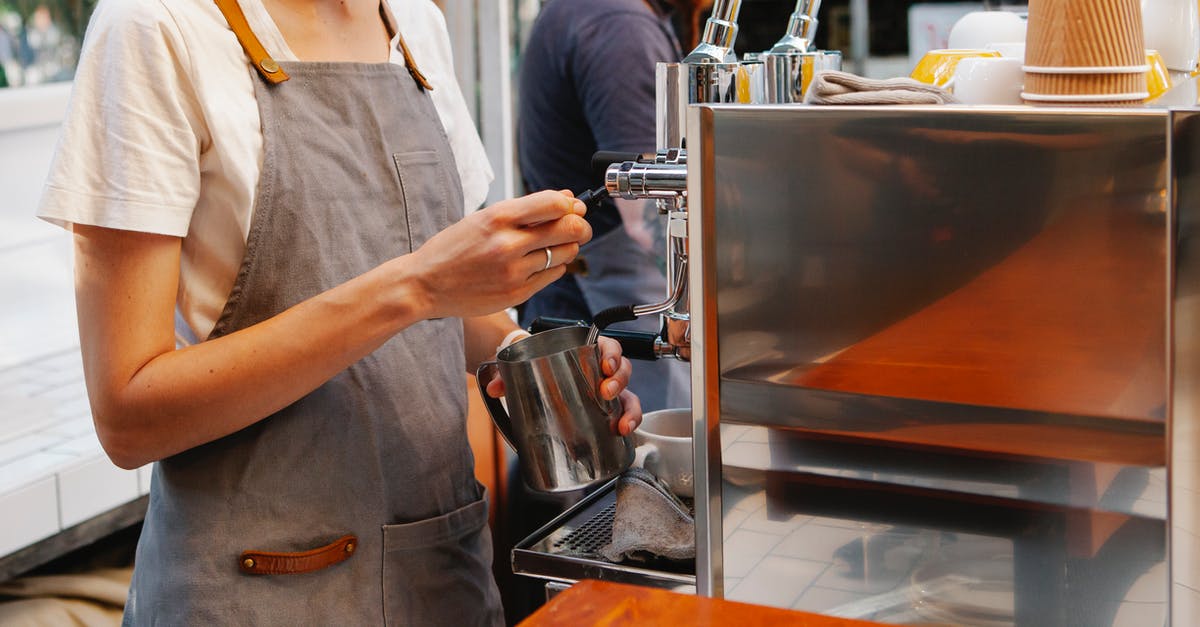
x=1085 y=52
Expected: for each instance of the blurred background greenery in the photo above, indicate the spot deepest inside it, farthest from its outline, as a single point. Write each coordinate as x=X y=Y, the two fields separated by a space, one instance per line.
x=39 y=39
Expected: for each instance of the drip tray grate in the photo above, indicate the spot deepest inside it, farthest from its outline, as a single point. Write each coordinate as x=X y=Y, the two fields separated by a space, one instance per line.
x=594 y=534
x=568 y=549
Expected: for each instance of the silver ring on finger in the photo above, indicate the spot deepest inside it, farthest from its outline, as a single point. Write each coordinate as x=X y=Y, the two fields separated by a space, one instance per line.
x=549 y=259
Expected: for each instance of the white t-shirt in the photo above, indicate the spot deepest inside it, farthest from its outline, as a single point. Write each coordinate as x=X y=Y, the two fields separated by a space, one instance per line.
x=163 y=133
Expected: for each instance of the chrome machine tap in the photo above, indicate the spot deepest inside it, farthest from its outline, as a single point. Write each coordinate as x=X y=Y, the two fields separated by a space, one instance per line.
x=789 y=66
x=663 y=180
x=709 y=74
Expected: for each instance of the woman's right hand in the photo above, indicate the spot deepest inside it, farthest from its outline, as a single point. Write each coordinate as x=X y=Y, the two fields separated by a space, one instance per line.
x=150 y=401
x=495 y=258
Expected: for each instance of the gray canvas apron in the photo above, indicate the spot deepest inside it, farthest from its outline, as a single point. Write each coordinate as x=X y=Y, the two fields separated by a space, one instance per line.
x=357 y=170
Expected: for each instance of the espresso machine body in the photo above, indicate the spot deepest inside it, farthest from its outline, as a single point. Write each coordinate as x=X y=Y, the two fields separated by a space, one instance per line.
x=935 y=306
x=928 y=329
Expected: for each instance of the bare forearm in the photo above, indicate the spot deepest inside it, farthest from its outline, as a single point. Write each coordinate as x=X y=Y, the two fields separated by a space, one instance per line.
x=150 y=401
x=182 y=398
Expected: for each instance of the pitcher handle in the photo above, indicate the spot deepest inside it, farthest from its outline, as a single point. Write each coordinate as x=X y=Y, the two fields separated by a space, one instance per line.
x=499 y=415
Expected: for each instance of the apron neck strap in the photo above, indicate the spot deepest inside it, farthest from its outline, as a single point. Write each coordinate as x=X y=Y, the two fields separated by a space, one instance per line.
x=409 y=63
x=262 y=61
x=269 y=68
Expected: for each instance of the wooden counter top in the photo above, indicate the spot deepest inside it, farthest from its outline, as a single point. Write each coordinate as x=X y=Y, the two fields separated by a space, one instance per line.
x=603 y=603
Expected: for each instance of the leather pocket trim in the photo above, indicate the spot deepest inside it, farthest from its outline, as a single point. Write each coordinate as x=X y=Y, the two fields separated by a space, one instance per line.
x=272 y=563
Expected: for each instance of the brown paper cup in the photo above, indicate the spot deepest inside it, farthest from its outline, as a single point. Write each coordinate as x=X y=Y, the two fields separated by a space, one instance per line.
x=1067 y=36
x=1085 y=84
x=1085 y=33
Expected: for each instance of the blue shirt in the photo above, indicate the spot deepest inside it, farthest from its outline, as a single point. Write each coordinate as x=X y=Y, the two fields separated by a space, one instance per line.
x=587 y=84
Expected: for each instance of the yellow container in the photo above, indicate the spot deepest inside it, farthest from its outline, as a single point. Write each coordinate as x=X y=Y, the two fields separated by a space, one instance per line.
x=1158 y=79
x=937 y=66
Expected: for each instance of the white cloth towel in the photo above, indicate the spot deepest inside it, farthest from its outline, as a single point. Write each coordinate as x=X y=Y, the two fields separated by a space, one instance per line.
x=842 y=88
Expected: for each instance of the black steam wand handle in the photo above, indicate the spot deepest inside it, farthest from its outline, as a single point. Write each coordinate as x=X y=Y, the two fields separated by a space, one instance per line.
x=546 y=323
x=602 y=320
x=593 y=197
x=634 y=344
x=613 y=315
x=601 y=159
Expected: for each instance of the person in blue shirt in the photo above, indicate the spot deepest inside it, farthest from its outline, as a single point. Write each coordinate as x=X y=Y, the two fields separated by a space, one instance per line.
x=587 y=84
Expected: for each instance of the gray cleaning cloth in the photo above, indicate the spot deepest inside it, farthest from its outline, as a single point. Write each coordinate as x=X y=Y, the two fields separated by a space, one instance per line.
x=842 y=88
x=649 y=521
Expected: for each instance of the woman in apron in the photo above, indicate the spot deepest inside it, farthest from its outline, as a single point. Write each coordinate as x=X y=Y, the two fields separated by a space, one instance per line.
x=313 y=466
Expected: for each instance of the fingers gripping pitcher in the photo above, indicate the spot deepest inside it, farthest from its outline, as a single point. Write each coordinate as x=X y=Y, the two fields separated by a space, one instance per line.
x=562 y=428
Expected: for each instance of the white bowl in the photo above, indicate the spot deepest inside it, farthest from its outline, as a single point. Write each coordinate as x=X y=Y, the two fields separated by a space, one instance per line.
x=1009 y=49
x=978 y=29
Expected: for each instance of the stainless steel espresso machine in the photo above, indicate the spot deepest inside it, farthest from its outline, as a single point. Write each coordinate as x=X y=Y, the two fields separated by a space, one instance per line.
x=944 y=359
x=710 y=74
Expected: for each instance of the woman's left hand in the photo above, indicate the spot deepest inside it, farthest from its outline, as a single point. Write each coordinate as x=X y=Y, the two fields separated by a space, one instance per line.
x=617 y=370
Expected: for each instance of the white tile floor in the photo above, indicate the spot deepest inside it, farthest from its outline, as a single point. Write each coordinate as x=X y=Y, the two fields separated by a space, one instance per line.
x=53 y=473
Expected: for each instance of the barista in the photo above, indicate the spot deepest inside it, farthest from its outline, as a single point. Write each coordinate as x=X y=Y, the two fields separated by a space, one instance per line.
x=286 y=180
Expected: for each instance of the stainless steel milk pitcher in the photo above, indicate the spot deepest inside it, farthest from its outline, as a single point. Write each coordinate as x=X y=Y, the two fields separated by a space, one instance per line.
x=561 y=427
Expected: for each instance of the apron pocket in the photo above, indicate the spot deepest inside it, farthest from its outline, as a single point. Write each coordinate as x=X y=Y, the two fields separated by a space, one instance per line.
x=424 y=183
x=439 y=571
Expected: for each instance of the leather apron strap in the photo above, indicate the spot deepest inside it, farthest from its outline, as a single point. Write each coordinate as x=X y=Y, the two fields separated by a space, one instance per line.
x=269 y=68
x=262 y=61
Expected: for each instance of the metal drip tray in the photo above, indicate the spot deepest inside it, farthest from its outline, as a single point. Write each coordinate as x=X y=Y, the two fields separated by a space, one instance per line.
x=588 y=539
x=567 y=549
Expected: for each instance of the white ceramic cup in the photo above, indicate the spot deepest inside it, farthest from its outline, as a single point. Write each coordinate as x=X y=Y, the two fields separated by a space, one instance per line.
x=1173 y=28
x=1011 y=49
x=989 y=81
x=664 y=448
x=980 y=28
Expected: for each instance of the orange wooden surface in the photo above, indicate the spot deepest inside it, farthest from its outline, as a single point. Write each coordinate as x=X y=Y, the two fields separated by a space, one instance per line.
x=1070 y=323
x=603 y=603
x=490 y=464
x=1028 y=440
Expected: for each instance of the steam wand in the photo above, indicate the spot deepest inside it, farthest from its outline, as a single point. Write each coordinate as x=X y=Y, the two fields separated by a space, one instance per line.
x=625 y=313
